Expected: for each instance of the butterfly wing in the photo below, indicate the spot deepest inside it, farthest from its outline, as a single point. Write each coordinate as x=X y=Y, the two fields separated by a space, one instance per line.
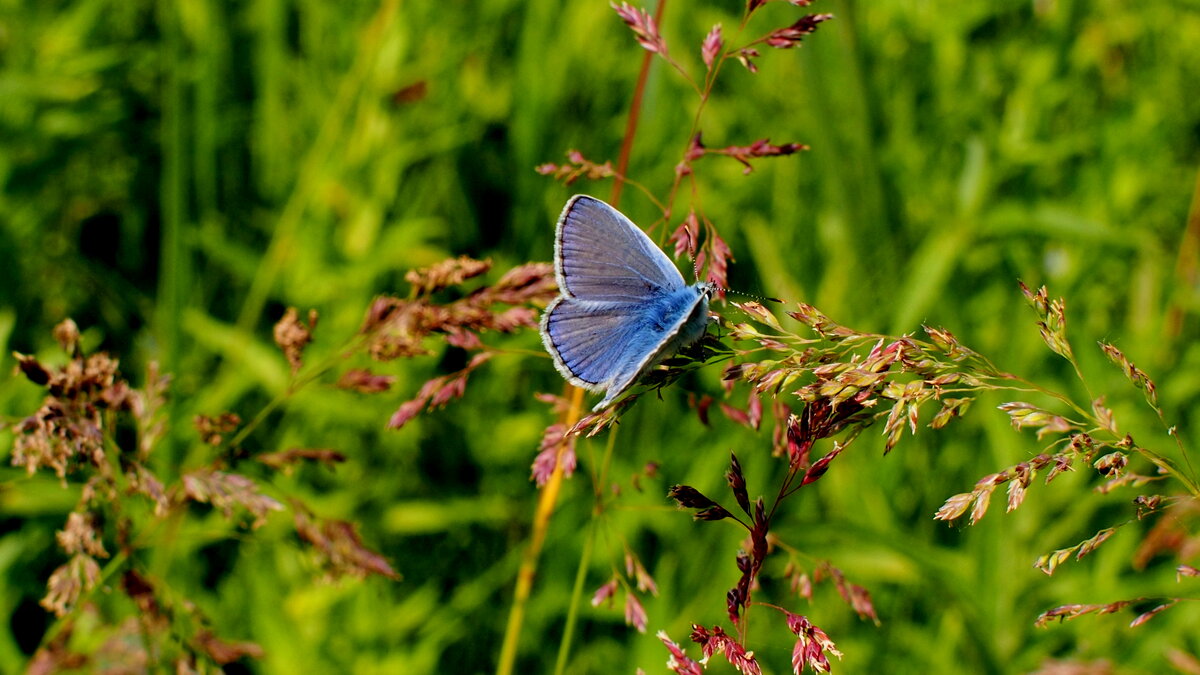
x=623 y=305
x=601 y=255
x=589 y=339
x=668 y=324
x=608 y=346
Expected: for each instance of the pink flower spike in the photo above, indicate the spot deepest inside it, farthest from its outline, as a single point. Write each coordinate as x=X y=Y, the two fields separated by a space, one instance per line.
x=643 y=26
x=645 y=582
x=548 y=454
x=786 y=38
x=718 y=641
x=712 y=46
x=811 y=647
x=718 y=267
x=755 y=412
x=679 y=661
x=363 y=380
x=685 y=235
x=735 y=415
x=695 y=149
x=746 y=56
x=635 y=614
x=604 y=593
x=405 y=413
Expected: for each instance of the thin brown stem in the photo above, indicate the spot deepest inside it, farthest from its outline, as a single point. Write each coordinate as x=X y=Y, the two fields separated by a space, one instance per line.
x=548 y=498
x=1187 y=264
x=635 y=109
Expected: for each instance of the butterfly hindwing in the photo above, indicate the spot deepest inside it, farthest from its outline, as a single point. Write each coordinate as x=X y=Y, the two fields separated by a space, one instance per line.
x=666 y=325
x=609 y=346
x=589 y=340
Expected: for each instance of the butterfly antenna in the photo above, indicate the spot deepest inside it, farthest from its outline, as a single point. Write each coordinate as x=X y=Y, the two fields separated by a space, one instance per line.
x=724 y=289
x=754 y=296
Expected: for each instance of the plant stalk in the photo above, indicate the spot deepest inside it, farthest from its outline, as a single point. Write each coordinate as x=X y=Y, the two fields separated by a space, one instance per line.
x=529 y=561
x=549 y=495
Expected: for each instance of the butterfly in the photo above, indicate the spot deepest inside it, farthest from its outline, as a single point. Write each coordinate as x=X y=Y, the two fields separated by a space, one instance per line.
x=622 y=305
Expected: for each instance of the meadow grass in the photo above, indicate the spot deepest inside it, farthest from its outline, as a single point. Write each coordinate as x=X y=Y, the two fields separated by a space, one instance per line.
x=175 y=175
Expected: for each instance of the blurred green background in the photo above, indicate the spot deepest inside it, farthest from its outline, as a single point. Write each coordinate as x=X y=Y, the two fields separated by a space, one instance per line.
x=174 y=175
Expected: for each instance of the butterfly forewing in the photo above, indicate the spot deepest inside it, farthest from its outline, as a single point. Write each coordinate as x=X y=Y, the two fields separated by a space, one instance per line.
x=603 y=256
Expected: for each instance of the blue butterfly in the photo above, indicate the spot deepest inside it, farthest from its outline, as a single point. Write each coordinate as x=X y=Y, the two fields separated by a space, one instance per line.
x=622 y=305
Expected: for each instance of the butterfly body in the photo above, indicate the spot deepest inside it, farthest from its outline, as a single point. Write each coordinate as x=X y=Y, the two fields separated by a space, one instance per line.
x=622 y=308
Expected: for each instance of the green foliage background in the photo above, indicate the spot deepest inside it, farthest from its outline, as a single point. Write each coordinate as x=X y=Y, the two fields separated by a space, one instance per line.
x=173 y=175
